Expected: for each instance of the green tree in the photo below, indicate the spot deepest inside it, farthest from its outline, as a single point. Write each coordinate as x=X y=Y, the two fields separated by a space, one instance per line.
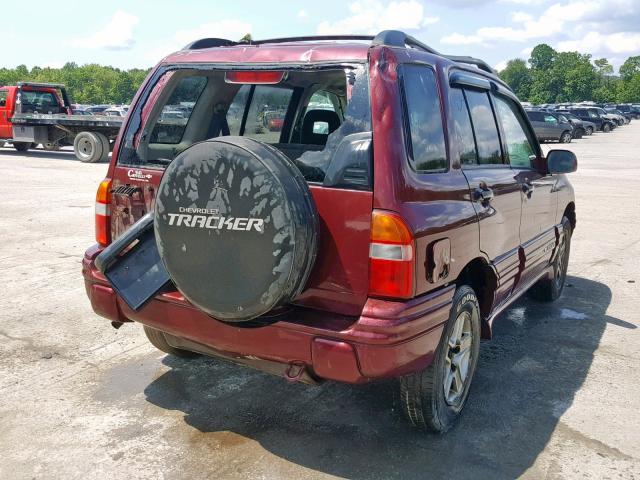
x=518 y=77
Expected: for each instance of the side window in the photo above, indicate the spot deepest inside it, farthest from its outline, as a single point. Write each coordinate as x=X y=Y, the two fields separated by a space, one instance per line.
x=550 y=119
x=519 y=146
x=172 y=123
x=266 y=113
x=3 y=98
x=485 y=128
x=464 y=130
x=427 y=151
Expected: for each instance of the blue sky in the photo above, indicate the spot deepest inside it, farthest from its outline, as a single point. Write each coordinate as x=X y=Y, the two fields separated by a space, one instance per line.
x=138 y=33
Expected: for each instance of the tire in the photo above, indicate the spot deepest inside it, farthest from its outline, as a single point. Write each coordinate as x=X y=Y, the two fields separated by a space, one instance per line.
x=22 y=146
x=2 y=143
x=550 y=289
x=105 y=146
x=238 y=206
x=589 y=131
x=51 y=147
x=565 y=137
x=422 y=394
x=158 y=340
x=606 y=128
x=88 y=147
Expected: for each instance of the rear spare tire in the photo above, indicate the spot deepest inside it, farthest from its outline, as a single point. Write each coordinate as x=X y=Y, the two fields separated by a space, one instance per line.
x=236 y=227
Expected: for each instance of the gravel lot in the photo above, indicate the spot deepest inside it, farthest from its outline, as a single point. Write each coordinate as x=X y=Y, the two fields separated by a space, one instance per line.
x=557 y=393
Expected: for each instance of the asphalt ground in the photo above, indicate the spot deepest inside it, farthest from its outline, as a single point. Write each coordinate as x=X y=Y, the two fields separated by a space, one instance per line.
x=556 y=394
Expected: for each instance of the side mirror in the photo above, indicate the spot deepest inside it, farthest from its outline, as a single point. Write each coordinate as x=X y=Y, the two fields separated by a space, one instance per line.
x=561 y=161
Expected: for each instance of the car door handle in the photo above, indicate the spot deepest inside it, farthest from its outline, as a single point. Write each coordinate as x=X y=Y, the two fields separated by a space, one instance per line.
x=483 y=194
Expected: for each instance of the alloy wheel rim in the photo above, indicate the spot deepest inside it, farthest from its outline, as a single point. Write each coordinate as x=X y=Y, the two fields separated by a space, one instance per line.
x=458 y=359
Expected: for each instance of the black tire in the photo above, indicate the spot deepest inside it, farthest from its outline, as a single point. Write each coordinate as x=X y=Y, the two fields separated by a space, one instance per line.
x=2 y=143
x=158 y=340
x=22 y=146
x=238 y=206
x=565 y=137
x=422 y=394
x=88 y=147
x=606 y=128
x=589 y=131
x=105 y=146
x=550 y=289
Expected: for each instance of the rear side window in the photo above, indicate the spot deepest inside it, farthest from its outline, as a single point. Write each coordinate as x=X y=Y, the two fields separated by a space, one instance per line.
x=173 y=120
x=464 y=130
x=426 y=146
x=485 y=128
x=519 y=147
x=3 y=98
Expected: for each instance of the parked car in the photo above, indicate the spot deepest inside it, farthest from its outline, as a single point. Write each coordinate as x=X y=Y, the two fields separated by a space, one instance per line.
x=592 y=114
x=550 y=127
x=97 y=109
x=584 y=126
x=317 y=256
x=622 y=118
x=80 y=111
x=628 y=109
x=115 y=112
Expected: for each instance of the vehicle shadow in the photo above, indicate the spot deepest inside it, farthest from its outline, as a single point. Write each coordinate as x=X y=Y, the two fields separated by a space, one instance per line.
x=527 y=378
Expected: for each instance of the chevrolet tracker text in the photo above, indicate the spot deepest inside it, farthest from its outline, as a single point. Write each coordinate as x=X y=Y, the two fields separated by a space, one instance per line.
x=216 y=222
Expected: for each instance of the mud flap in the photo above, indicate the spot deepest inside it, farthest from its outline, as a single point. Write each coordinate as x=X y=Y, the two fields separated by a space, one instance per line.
x=133 y=265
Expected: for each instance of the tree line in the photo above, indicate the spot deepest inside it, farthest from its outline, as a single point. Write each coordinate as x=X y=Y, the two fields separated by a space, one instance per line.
x=87 y=84
x=547 y=77
x=550 y=76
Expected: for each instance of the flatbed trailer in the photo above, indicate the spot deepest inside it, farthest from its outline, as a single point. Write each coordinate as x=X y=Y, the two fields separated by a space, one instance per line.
x=26 y=124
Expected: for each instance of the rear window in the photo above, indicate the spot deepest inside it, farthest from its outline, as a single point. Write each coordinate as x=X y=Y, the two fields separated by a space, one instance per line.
x=306 y=116
x=37 y=101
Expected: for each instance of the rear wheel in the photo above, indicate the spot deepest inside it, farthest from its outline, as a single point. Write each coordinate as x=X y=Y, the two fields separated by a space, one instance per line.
x=565 y=137
x=434 y=398
x=589 y=130
x=89 y=147
x=549 y=289
x=22 y=146
x=158 y=340
x=606 y=128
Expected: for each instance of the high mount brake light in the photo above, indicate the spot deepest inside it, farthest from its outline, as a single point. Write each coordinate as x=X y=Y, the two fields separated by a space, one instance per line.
x=103 y=213
x=391 y=256
x=254 y=77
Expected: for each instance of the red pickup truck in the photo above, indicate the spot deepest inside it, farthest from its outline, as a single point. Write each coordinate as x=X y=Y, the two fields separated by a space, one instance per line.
x=40 y=113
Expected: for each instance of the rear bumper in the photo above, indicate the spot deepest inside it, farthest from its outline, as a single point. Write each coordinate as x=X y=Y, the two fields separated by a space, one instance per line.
x=389 y=339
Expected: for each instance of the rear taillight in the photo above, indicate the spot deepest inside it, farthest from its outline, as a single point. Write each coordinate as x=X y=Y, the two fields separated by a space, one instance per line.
x=103 y=213
x=391 y=256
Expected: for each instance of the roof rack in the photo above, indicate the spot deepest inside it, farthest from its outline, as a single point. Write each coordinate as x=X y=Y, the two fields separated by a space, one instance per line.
x=390 y=38
x=396 y=38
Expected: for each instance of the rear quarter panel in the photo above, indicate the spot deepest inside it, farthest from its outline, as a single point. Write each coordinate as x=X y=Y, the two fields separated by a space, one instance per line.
x=437 y=206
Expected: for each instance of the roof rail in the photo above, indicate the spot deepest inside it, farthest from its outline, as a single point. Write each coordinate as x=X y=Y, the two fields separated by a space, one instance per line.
x=390 y=38
x=396 y=38
x=481 y=64
x=310 y=38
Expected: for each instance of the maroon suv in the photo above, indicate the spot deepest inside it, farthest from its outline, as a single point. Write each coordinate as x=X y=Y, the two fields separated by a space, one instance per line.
x=401 y=205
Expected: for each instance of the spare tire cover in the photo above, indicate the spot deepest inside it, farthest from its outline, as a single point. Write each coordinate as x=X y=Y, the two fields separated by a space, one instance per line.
x=236 y=227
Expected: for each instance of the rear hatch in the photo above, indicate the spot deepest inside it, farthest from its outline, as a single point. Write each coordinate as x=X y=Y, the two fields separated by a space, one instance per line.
x=319 y=117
